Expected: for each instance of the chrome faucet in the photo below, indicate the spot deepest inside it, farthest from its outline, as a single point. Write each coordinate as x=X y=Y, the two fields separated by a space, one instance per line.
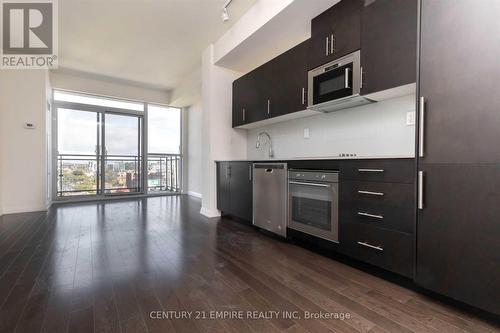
x=257 y=144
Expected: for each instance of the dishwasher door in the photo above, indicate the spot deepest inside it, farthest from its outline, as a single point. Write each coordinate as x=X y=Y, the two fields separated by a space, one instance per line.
x=270 y=194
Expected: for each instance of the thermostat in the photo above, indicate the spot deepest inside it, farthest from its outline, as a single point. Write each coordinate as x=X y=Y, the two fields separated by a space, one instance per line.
x=29 y=125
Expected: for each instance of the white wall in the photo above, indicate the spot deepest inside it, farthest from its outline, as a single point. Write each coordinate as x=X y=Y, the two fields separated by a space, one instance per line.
x=377 y=130
x=193 y=156
x=87 y=83
x=23 y=172
x=188 y=92
x=219 y=140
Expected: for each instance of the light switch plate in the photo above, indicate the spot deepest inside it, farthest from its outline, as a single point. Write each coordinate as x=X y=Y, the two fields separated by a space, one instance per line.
x=410 y=118
x=306 y=133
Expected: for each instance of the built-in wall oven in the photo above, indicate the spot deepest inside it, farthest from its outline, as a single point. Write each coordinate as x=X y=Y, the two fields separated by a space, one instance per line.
x=313 y=202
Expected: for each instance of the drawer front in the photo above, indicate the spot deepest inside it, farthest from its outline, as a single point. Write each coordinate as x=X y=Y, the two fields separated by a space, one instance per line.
x=386 y=194
x=386 y=171
x=391 y=250
x=386 y=205
x=379 y=216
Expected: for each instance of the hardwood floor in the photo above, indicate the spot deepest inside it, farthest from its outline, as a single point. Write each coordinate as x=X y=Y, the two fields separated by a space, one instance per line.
x=107 y=267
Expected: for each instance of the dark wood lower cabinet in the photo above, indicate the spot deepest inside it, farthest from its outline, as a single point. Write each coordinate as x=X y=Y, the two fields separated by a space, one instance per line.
x=223 y=191
x=385 y=248
x=458 y=234
x=234 y=189
x=241 y=190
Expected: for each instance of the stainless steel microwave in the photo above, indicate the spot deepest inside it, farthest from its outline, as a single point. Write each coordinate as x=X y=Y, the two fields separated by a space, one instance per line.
x=336 y=85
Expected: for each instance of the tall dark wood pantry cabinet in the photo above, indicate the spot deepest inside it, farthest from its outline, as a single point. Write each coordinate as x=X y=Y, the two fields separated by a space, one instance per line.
x=458 y=250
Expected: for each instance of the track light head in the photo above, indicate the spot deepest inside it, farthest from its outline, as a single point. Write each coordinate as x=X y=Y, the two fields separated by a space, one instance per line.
x=225 y=15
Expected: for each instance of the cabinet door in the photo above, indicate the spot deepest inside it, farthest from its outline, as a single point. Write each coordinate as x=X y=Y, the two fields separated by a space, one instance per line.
x=388 y=44
x=223 y=189
x=291 y=94
x=458 y=251
x=241 y=190
x=335 y=32
x=459 y=71
x=239 y=116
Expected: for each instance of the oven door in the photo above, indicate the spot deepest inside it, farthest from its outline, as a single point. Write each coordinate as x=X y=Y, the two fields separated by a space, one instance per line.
x=313 y=208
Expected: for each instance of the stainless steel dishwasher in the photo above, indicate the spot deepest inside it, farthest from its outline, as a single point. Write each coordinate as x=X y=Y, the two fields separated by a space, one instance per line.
x=270 y=197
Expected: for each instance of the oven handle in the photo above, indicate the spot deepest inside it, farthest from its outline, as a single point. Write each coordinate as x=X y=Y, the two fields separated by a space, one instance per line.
x=309 y=184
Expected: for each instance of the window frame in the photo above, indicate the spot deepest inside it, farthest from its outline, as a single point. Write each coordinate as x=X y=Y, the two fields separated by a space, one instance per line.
x=144 y=146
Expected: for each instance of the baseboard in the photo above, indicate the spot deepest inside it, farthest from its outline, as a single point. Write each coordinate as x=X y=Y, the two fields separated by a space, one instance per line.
x=194 y=194
x=25 y=209
x=210 y=213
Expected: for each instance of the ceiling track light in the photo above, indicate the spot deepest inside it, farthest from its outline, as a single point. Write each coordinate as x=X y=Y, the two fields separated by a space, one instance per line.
x=225 y=14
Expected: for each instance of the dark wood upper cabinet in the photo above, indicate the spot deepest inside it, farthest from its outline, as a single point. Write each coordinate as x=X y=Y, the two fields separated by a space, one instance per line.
x=335 y=32
x=388 y=44
x=249 y=97
x=276 y=88
x=459 y=71
x=290 y=94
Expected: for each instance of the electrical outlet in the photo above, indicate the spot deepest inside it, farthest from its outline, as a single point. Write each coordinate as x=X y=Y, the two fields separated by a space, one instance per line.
x=410 y=118
x=306 y=133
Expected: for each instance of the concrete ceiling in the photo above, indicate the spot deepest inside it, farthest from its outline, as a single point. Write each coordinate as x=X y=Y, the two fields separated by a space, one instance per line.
x=152 y=43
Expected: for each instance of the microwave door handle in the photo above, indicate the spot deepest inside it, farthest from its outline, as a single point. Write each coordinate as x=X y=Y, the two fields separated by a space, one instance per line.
x=346 y=78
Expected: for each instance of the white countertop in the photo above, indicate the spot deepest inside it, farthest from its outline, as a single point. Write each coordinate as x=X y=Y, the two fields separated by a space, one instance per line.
x=276 y=159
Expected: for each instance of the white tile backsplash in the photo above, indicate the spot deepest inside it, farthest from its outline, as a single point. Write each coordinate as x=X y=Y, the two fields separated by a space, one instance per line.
x=377 y=129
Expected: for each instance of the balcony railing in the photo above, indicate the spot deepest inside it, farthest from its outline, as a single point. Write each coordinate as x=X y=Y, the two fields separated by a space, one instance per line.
x=77 y=175
x=83 y=174
x=164 y=172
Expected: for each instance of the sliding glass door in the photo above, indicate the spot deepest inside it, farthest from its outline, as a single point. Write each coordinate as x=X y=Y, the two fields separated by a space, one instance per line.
x=104 y=146
x=98 y=153
x=122 y=162
x=78 y=158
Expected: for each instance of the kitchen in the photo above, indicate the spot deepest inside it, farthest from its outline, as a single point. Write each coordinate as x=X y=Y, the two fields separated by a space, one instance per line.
x=363 y=143
x=250 y=166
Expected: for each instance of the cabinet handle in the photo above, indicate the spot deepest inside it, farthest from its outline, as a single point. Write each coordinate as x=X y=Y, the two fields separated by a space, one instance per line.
x=250 y=172
x=332 y=45
x=380 y=217
x=371 y=170
x=303 y=96
x=268 y=106
x=420 y=190
x=228 y=171
x=244 y=114
x=378 y=248
x=370 y=193
x=421 y=124
x=327 y=39
x=361 y=77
